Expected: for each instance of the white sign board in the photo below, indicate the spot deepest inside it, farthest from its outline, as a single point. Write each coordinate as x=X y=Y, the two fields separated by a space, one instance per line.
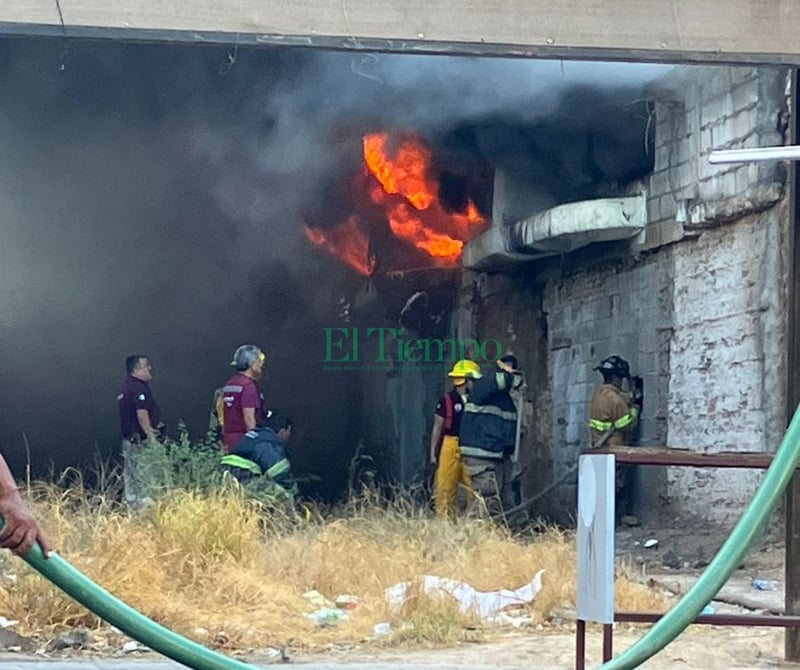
x=595 y=601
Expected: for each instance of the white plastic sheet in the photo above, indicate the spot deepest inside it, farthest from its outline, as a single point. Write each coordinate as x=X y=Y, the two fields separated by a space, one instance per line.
x=485 y=604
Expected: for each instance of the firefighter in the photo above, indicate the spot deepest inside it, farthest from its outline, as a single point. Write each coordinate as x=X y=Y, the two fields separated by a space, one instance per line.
x=445 y=456
x=242 y=402
x=613 y=415
x=489 y=432
x=259 y=460
x=613 y=411
x=20 y=531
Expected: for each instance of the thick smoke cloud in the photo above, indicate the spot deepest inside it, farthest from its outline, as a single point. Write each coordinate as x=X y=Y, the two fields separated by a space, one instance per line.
x=152 y=199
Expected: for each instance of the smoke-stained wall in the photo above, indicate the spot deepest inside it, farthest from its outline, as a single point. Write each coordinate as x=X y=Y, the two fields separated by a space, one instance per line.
x=697 y=305
x=152 y=200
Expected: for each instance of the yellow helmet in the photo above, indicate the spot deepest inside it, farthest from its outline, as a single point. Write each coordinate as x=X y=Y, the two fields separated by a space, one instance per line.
x=465 y=369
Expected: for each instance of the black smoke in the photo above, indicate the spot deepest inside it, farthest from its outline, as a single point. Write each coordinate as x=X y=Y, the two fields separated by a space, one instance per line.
x=152 y=199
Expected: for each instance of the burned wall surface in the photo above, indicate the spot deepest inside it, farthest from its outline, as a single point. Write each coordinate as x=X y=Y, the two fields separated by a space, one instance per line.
x=508 y=309
x=727 y=367
x=401 y=381
x=697 y=304
x=727 y=358
x=617 y=309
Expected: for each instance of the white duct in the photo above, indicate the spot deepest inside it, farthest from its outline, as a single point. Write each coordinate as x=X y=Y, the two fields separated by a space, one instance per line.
x=558 y=230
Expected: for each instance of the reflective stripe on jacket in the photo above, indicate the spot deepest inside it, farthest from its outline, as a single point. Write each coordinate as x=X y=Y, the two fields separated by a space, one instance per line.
x=611 y=407
x=263 y=453
x=489 y=424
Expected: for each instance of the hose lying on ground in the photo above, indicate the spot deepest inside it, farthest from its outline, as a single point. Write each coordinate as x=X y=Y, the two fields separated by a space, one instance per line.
x=522 y=507
x=170 y=644
x=131 y=622
x=527 y=504
x=727 y=559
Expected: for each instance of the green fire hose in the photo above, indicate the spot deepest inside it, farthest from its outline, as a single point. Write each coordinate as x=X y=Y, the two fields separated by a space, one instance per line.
x=174 y=646
x=77 y=585
x=727 y=559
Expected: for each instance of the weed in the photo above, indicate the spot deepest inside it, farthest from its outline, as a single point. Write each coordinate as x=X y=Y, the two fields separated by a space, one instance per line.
x=204 y=562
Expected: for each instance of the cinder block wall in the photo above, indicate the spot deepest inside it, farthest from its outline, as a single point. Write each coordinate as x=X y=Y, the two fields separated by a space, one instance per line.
x=697 y=304
x=702 y=109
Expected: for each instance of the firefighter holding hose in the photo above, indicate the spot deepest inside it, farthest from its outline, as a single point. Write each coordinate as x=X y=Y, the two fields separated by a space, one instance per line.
x=489 y=433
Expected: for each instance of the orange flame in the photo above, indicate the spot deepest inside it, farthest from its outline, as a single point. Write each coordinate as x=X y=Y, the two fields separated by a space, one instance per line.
x=406 y=189
x=406 y=174
x=407 y=225
x=420 y=219
x=347 y=242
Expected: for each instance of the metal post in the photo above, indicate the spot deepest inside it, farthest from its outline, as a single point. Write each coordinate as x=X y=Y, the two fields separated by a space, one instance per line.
x=792 y=639
x=608 y=641
x=580 y=645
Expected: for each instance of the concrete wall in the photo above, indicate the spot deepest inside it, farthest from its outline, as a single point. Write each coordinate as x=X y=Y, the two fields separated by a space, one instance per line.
x=726 y=388
x=508 y=308
x=697 y=304
x=699 y=110
x=727 y=358
x=756 y=30
x=622 y=310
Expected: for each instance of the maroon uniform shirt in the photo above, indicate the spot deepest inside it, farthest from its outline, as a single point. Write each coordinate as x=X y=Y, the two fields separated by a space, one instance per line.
x=240 y=392
x=136 y=395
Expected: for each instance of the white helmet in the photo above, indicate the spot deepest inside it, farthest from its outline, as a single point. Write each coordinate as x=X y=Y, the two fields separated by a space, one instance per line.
x=245 y=356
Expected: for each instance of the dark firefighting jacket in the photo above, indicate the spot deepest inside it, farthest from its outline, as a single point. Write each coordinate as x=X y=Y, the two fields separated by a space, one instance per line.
x=489 y=423
x=261 y=453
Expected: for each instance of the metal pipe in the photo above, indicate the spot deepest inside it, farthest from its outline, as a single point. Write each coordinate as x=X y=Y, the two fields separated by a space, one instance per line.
x=765 y=620
x=792 y=504
x=580 y=645
x=608 y=641
x=727 y=559
x=785 y=153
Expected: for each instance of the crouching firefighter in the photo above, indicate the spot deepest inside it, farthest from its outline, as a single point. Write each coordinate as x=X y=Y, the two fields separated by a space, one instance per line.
x=489 y=434
x=259 y=462
x=613 y=417
x=444 y=452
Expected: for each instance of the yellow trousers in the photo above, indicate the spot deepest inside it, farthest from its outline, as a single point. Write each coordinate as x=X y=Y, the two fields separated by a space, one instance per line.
x=450 y=472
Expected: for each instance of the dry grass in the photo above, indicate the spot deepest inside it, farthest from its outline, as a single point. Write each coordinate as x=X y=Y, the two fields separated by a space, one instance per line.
x=204 y=564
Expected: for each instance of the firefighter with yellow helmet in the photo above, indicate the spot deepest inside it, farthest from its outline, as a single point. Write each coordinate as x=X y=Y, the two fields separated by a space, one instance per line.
x=445 y=456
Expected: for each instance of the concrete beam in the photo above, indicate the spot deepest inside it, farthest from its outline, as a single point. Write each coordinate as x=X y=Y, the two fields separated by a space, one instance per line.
x=745 y=31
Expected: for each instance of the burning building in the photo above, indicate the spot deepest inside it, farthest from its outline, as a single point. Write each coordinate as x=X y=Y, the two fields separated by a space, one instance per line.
x=183 y=215
x=279 y=195
x=399 y=188
x=615 y=236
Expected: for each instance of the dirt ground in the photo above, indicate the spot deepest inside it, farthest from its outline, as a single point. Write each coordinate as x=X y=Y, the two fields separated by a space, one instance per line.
x=671 y=566
x=680 y=557
x=698 y=648
x=701 y=647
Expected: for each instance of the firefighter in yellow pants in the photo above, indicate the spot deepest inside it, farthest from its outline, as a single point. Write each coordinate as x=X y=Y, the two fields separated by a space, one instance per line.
x=444 y=451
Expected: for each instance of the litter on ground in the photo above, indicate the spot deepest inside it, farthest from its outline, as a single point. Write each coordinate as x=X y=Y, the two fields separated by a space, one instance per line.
x=485 y=604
